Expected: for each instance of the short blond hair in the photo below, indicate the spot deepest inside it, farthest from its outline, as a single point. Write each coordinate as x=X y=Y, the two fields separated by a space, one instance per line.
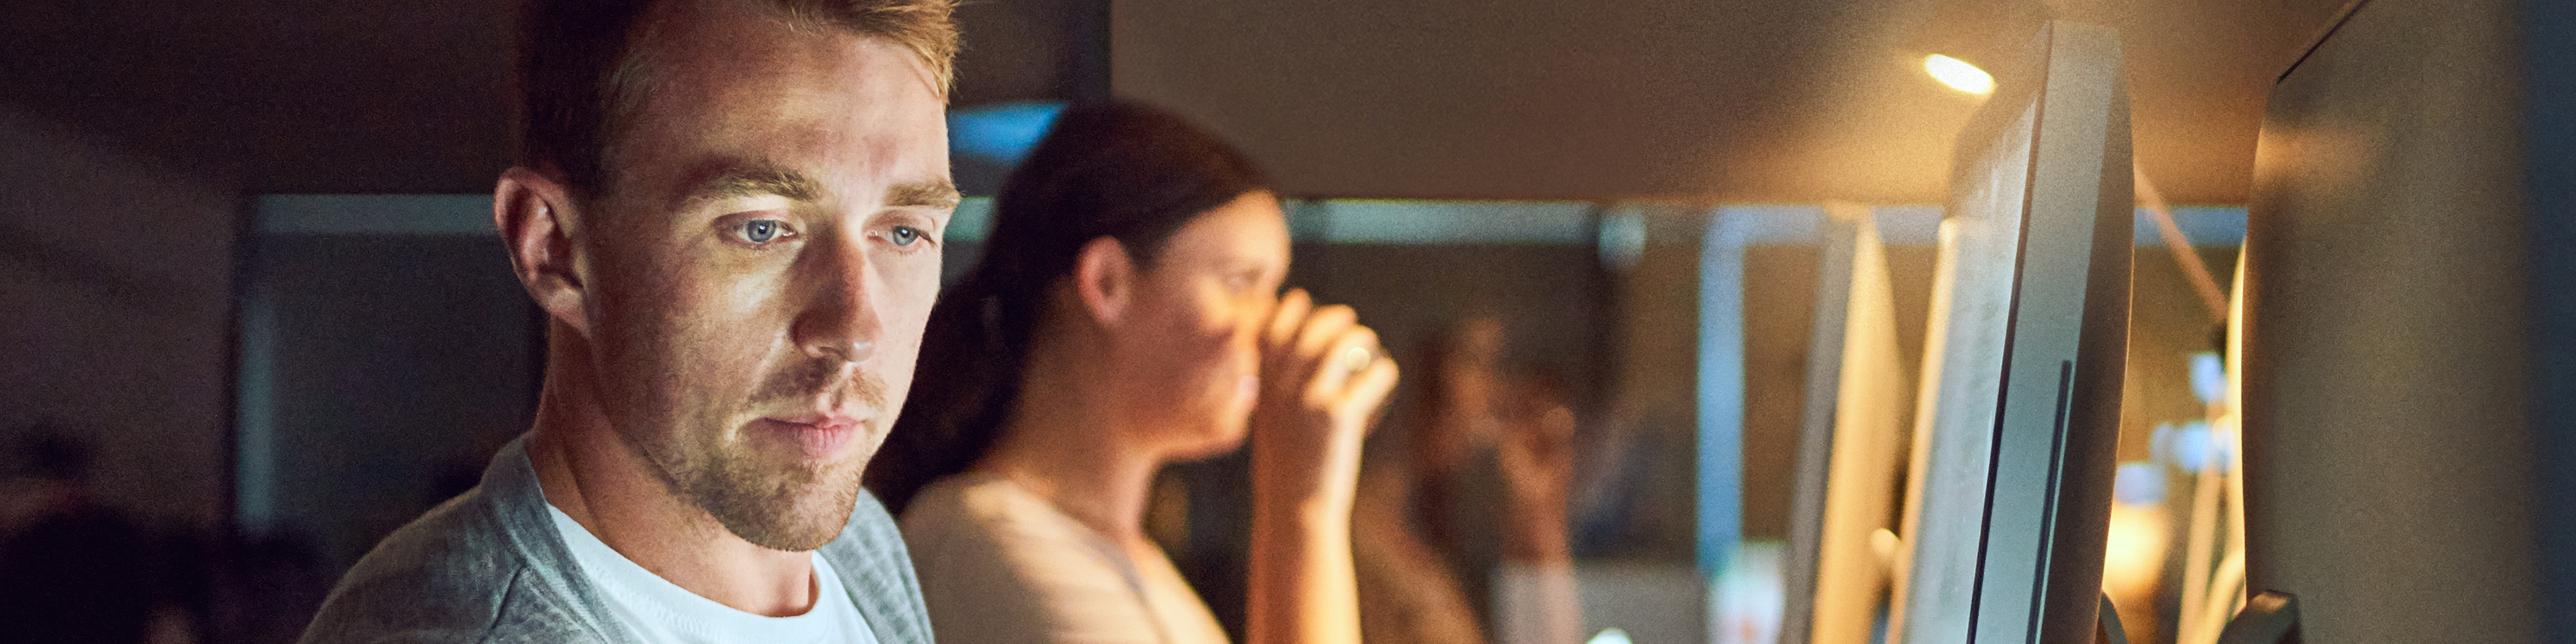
x=581 y=74
x=924 y=27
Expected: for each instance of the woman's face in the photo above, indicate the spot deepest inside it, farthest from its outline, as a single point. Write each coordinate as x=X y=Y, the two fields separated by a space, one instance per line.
x=1190 y=352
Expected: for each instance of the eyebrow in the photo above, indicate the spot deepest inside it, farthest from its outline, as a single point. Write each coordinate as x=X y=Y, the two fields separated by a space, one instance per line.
x=765 y=179
x=932 y=194
x=756 y=179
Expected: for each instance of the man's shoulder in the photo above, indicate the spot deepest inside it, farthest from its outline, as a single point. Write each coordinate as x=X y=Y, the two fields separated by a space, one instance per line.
x=456 y=574
x=876 y=569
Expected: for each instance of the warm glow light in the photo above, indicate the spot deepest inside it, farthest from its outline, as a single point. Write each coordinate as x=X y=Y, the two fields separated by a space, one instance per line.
x=1958 y=74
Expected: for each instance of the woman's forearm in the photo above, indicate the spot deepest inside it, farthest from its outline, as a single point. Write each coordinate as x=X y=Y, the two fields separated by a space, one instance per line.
x=1323 y=379
x=1303 y=588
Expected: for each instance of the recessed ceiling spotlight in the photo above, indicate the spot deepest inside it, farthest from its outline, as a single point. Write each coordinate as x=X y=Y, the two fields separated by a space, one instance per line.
x=1959 y=75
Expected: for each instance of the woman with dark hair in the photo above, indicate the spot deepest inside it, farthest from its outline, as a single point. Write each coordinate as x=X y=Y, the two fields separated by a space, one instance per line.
x=1127 y=315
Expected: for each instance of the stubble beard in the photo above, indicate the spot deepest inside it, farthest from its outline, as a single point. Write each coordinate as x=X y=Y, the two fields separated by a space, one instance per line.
x=793 y=506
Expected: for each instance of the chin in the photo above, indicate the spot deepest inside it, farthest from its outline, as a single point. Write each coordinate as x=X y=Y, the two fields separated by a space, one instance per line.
x=1217 y=439
x=796 y=520
x=775 y=500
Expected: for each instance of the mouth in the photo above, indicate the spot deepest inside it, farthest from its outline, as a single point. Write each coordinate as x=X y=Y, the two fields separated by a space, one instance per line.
x=816 y=438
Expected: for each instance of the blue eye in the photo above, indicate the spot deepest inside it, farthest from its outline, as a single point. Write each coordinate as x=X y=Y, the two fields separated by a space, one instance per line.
x=906 y=235
x=761 y=231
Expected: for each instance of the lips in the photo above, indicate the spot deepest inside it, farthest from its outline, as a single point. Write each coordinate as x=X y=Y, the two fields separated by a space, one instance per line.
x=817 y=438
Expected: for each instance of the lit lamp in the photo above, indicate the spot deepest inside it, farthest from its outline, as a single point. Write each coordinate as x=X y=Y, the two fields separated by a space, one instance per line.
x=1959 y=75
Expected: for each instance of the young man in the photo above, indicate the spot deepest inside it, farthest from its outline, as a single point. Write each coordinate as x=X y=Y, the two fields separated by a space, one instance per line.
x=731 y=212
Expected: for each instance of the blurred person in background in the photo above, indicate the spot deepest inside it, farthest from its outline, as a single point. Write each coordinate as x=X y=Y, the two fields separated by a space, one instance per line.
x=1127 y=315
x=1419 y=583
x=72 y=569
x=731 y=213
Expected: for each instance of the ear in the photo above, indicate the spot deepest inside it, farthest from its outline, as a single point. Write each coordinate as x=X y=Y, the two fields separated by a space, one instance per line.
x=537 y=219
x=1104 y=278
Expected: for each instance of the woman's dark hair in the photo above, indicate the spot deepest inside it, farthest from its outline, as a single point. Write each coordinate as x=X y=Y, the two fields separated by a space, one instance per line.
x=1120 y=170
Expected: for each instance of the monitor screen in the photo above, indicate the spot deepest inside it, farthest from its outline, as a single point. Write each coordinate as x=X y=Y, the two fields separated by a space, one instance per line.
x=2010 y=478
x=1851 y=443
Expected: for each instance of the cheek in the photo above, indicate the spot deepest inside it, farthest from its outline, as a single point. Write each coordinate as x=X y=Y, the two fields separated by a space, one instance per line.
x=907 y=314
x=1182 y=349
x=1221 y=352
x=680 y=340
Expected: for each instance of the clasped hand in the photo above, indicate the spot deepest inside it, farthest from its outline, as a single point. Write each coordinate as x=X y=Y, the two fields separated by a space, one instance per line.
x=1323 y=379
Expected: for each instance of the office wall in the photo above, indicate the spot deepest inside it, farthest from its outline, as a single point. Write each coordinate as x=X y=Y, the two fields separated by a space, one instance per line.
x=381 y=373
x=115 y=286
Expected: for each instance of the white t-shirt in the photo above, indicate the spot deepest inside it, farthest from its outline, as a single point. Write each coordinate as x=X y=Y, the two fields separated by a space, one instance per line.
x=664 y=613
x=1000 y=565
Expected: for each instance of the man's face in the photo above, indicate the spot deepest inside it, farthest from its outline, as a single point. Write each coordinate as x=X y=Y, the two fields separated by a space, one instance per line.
x=762 y=260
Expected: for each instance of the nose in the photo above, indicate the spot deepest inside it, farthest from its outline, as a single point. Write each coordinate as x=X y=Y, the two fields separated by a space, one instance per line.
x=837 y=317
x=1252 y=317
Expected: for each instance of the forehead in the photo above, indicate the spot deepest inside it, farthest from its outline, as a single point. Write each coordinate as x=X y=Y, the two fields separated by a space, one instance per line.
x=1251 y=227
x=736 y=81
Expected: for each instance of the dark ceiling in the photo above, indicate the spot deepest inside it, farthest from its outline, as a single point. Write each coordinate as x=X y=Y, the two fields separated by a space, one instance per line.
x=276 y=95
x=317 y=96
x=1695 y=100
x=285 y=96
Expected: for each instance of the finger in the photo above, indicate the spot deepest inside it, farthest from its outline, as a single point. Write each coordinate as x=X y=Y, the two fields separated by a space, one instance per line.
x=1514 y=452
x=1351 y=356
x=1558 y=425
x=1370 y=388
x=1351 y=351
x=1325 y=327
x=1285 y=318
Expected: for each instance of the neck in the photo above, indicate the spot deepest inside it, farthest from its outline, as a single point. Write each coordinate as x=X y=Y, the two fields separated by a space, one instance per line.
x=595 y=477
x=1067 y=443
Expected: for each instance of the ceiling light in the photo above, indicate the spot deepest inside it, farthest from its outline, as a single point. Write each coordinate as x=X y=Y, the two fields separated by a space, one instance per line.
x=1959 y=75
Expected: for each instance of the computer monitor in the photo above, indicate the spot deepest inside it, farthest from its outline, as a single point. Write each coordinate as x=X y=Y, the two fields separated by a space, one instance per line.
x=2009 y=490
x=1851 y=442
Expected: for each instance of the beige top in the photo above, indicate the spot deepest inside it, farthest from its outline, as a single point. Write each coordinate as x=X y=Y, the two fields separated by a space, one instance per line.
x=999 y=565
